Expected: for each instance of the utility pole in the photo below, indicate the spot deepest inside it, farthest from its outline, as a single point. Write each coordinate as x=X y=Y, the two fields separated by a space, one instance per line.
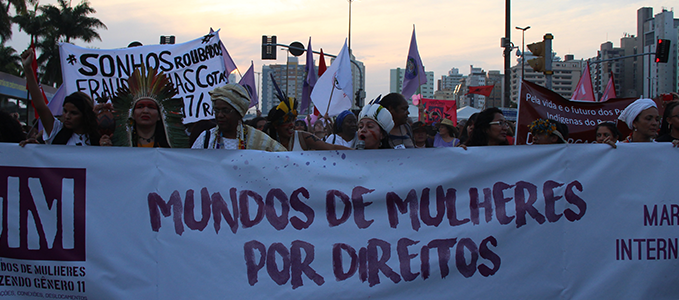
x=507 y=53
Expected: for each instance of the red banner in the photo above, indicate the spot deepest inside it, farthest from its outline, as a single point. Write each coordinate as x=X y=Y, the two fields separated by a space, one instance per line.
x=537 y=102
x=436 y=110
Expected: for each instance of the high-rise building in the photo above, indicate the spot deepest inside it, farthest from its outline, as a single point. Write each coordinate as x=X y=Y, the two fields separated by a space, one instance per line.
x=477 y=77
x=626 y=80
x=396 y=83
x=564 y=80
x=448 y=82
x=601 y=72
x=290 y=79
x=656 y=78
x=495 y=78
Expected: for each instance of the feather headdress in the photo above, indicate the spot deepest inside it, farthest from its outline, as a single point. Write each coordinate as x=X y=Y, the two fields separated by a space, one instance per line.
x=148 y=84
x=287 y=108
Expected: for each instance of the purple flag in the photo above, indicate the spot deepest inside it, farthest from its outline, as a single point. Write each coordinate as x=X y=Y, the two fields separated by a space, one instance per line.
x=248 y=82
x=228 y=61
x=309 y=80
x=414 y=73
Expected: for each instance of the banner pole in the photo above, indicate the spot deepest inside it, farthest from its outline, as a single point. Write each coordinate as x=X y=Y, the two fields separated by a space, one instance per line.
x=329 y=100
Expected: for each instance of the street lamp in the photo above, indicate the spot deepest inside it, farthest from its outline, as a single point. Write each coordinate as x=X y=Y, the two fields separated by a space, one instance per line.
x=523 y=49
x=350 y=25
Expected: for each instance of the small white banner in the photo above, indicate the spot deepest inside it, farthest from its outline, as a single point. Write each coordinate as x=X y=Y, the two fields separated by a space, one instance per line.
x=194 y=67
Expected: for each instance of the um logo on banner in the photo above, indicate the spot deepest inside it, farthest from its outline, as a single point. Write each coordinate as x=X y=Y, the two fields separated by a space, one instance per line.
x=43 y=213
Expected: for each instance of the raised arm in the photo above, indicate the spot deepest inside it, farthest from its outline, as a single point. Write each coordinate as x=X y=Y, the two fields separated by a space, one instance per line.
x=314 y=143
x=36 y=96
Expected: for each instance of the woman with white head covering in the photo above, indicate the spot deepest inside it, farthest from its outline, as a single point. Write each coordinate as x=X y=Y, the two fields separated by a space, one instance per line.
x=642 y=117
x=229 y=104
x=374 y=125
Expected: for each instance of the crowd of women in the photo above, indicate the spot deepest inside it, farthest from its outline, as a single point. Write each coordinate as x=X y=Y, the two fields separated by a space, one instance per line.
x=146 y=114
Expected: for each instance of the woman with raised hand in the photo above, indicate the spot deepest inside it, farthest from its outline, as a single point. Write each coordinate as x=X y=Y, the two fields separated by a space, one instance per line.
x=607 y=133
x=642 y=117
x=78 y=123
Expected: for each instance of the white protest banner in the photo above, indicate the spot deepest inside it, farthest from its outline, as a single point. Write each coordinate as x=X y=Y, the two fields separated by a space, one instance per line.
x=578 y=221
x=194 y=67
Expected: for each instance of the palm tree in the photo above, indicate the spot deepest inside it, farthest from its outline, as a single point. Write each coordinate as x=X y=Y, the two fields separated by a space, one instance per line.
x=6 y=20
x=30 y=22
x=10 y=62
x=55 y=25
x=73 y=22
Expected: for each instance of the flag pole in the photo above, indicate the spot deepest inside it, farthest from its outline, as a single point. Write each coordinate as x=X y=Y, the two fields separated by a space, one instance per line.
x=329 y=100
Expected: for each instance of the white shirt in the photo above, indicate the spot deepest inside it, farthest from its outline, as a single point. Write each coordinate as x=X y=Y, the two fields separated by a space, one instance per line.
x=338 y=140
x=223 y=143
x=75 y=140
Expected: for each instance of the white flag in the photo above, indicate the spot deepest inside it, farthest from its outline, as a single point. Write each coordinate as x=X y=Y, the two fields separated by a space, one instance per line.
x=336 y=82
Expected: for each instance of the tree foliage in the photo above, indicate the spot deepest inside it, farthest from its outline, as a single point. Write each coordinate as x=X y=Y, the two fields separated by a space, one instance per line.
x=56 y=24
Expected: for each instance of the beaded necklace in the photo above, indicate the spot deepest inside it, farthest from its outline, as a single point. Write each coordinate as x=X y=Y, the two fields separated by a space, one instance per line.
x=241 y=135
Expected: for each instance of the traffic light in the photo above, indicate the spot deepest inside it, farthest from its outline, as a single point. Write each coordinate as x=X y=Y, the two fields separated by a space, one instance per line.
x=167 y=39
x=662 y=51
x=538 y=49
x=360 y=94
x=543 y=51
x=268 y=47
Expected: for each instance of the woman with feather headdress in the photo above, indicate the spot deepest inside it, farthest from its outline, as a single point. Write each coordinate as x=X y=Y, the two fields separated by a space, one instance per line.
x=146 y=113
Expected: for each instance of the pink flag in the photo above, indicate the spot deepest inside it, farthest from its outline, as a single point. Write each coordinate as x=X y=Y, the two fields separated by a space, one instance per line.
x=414 y=73
x=609 y=93
x=248 y=82
x=228 y=61
x=584 y=90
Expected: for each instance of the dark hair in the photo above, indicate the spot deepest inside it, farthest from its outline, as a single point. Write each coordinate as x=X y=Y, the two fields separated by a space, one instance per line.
x=391 y=100
x=83 y=103
x=199 y=127
x=256 y=120
x=10 y=129
x=384 y=142
x=611 y=126
x=271 y=118
x=463 y=135
x=481 y=124
x=665 y=126
x=303 y=123
x=160 y=139
x=561 y=128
